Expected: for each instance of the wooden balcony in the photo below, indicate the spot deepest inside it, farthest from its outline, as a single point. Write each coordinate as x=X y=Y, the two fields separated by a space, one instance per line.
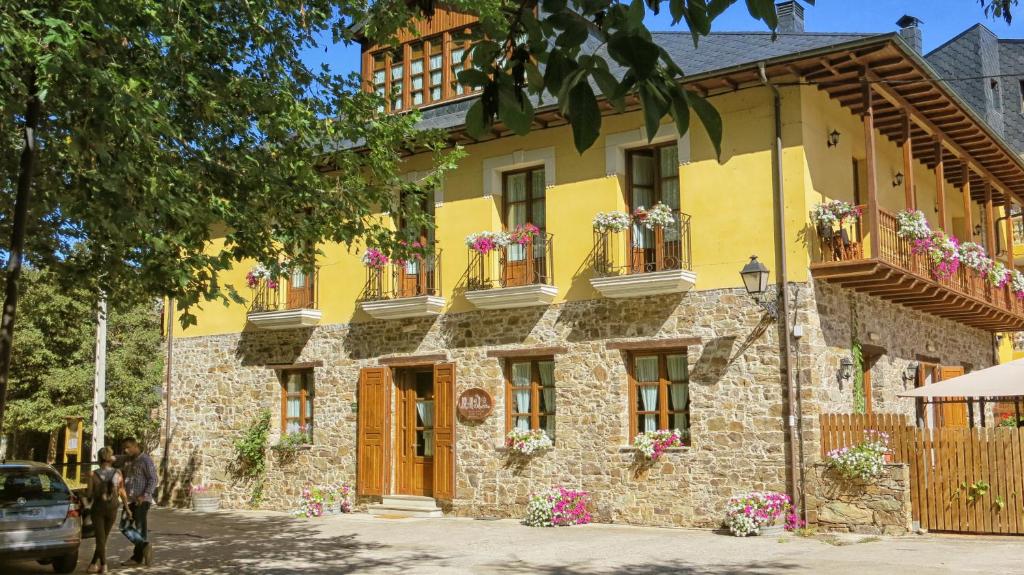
x=286 y=303
x=404 y=290
x=640 y=262
x=896 y=274
x=518 y=275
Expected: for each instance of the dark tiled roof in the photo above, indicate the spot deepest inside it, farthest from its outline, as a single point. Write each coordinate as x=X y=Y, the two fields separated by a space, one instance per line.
x=716 y=51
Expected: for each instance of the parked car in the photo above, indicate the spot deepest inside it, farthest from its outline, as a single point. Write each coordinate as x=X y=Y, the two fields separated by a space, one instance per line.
x=39 y=516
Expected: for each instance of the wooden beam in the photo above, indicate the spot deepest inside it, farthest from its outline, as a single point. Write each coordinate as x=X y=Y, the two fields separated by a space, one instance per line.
x=990 y=229
x=1008 y=209
x=870 y=161
x=966 y=189
x=940 y=185
x=527 y=351
x=909 y=198
x=652 y=344
x=290 y=366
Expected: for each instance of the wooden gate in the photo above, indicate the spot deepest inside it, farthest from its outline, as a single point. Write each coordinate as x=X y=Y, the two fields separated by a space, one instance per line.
x=964 y=480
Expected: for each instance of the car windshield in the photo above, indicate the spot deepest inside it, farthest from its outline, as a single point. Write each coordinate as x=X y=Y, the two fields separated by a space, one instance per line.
x=38 y=485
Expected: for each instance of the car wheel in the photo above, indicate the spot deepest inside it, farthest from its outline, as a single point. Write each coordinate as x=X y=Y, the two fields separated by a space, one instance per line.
x=66 y=563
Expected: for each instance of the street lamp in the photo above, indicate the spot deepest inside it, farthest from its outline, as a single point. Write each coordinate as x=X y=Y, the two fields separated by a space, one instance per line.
x=897 y=180
x=833 y=138
x=910 y=372
x=845 y=369
x=755 y=280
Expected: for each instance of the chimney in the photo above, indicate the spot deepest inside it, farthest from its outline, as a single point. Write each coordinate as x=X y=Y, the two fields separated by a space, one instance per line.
x=910 y=31
x=791 y=17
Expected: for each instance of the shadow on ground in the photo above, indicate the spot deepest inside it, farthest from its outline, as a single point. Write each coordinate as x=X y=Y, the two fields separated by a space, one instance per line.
x=651 y=568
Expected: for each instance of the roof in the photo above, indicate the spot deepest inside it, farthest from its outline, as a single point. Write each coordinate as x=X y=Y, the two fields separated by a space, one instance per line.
x=1004 y=380
x=716 y=51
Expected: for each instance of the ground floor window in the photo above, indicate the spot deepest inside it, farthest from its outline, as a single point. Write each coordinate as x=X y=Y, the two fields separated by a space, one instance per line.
x=297 y=401
x=530 y=395
x=659 y=392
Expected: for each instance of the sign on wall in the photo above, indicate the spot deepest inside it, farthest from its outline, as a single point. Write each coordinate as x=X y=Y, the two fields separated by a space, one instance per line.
x=475 y=404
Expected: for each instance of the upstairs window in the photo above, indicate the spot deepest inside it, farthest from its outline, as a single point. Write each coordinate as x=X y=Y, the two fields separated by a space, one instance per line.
x=997 y=97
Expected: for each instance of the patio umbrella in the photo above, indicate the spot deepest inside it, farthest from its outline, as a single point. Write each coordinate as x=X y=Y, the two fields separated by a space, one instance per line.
x=1003 y=380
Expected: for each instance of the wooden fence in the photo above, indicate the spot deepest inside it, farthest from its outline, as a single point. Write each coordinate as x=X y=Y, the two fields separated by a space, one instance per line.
x=964 y=480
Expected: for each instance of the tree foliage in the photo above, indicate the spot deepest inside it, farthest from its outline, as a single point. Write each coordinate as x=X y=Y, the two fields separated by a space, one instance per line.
x=999 y=9
x=54 y=357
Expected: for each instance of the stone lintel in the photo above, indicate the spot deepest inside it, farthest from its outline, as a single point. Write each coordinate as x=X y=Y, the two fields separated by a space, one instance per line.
x=412 y=360
x=301 y=365
x=527 y=351
x=650 y=344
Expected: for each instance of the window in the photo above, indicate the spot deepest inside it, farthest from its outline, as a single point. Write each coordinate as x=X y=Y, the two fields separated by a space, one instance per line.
x=524 y=204
x=1021 y=86
x=397 y=81
x=297 y=401
x=415 y=73
x=997 y=97
x=653 y=178
x=659 y=393
x=530 y=395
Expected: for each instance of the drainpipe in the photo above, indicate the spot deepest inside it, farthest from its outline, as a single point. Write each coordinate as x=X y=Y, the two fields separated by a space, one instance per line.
x=793 y=411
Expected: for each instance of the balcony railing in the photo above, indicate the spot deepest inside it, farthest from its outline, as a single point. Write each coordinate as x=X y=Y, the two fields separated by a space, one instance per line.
x=531 y=263
x=298 y=291
x=638 y=249
x=846 y=252
x=419 y=276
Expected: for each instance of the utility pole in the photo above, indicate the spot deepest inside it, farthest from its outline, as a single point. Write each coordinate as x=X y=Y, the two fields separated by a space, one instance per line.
x=99 y=392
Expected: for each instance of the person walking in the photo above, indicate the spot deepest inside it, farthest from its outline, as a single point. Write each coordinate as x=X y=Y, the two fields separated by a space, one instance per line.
x=140 y=481
x=106 y=489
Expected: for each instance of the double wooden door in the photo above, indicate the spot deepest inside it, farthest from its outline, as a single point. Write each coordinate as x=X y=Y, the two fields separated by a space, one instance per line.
x=942 y=414
x=423 y=461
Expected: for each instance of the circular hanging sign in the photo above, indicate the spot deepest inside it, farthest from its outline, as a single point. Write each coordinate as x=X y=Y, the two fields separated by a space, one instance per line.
x=475 y=404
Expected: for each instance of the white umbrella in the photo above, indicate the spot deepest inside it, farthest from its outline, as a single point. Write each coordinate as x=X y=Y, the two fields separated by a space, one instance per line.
x=1004 y=380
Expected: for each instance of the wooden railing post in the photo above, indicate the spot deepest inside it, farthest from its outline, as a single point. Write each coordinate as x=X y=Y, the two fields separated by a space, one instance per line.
x=990 y=230
x=966 y=189
x=659 y=248
x=940 y=185
x=908 y=165
x=869 y=152
x=1008 y=209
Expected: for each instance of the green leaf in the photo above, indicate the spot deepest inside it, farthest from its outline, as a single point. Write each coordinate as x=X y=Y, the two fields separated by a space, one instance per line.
x=534 y=77
x=635 y=52
x=584 y=115
x=608 y=84
x=477 y=125
x=473 y=77
x=514 y=109
x=680 y=110
x=711 y=119
x=654 y=107
x=558 y=68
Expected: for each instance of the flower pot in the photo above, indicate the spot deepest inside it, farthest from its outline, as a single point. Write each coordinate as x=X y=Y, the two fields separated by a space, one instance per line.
x=205 y=503
x=772 y=530
x=888 y=457
x=332 y=508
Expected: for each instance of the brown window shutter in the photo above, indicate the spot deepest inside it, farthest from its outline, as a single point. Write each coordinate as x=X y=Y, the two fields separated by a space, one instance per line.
x=373 y=433
x=444 y=431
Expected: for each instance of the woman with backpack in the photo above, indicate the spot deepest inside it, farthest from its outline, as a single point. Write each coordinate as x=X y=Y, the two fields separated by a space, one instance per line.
x=106 y=488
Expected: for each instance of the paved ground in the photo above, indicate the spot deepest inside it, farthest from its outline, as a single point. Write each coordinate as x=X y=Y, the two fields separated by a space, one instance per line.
x=260 y=543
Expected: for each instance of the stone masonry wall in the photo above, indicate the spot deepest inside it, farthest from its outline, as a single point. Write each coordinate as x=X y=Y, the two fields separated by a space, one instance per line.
x=736 y=390
x=878 y=507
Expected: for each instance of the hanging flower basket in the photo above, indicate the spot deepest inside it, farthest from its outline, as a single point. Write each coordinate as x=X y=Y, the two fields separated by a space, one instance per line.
x=652 y=444
x=827 y=214
x=486 y=241
x=614 y=221
x=374 y=259
x=973 y=256
x=527 y=442
x=659 y=215
x=913 y=225
x=523 y=234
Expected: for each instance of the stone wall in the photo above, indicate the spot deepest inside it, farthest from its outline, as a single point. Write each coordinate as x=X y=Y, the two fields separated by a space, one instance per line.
x=878 y=507
x=738 y=402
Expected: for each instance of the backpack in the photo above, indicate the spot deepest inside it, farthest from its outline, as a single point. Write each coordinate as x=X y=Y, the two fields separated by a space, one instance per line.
x=109 y=489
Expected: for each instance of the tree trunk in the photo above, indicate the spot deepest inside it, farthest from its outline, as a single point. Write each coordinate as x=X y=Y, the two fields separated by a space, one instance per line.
x=51 y=448
x=21 y=201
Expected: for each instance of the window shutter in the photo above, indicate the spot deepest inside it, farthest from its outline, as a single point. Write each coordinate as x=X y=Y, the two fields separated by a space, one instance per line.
x=373 y=433
x=444 y=431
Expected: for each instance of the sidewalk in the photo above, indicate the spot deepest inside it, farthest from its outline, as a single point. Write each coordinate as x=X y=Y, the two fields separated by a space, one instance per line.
x=265 y=543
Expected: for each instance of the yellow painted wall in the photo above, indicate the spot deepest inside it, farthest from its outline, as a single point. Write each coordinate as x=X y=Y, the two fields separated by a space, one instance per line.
x=731 y=202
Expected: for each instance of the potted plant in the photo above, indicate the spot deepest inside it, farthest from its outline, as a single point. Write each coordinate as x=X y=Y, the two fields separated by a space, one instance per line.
x=374 y=258
x=558 y=507
x=614 y=221
x=659 y=215
x=523 y=234
x=487 y=241
x=205 y=497
x=321 y=500
x=756 y=513
x=526 y=442
x=827 y=215
x=862 y=461
x=652 y=444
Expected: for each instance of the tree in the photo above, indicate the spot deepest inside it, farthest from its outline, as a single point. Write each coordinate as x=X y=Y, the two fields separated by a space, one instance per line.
x=998 y=8
x=52 y=371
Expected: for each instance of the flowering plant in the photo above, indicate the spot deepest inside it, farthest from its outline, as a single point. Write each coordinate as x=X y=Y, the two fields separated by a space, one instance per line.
x=1017 y=283
x=658 y=215
x=374 y=258
x=793 y=522
x=975 y=257
x=827 y=214
x=651 y=444
x=998 y=275
x=204 y=489
x=414 y=249
x=558 y=507
x=484 y=242
x=614 y=221
x=527 y=441
x=317 y=500
x=913 y=225
x=259 y=273
x=523 y=234
x=862 y=461
x=292 y=440
x=746 y=514
x=943 y=254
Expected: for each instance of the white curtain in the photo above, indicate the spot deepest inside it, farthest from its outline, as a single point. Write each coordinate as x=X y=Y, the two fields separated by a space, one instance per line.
x=521 y=378
x=547 y=381
x=647 y=372
x=679 y=390
x=516 y=215
x=642 y=195
x=425 y=409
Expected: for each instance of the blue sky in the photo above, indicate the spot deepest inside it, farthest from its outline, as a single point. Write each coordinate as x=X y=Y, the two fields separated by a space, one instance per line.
x=943 y=19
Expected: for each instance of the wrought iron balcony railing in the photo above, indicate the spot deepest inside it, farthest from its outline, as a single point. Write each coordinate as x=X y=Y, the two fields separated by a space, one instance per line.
x=639 y=249
x=297 y=291
x=418 y=276
x=518 y=264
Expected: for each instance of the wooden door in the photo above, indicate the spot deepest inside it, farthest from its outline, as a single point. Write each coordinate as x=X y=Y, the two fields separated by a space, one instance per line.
x=444 y=431
x=300 y=290
x=415 y=433
x=374 y=432
x=952 y=415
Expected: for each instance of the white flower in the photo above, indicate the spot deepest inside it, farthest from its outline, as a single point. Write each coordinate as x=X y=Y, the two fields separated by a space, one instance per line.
x=650 y=444
x=527 y=441
x=658 y=216
x=614 y=221
x=913 y=225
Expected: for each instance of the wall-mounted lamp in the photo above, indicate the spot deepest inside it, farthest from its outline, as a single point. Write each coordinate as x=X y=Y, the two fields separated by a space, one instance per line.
x=897 y=180
x=910 y=372
x=845 y=369
x=755 y=280
x=833 y=138
x=977 y=230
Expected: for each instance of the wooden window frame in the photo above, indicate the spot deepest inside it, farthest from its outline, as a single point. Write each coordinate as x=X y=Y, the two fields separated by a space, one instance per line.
x=306 y=396
x=664 y=383
x=531 y=197
x=535 y=390
x=659 y=180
